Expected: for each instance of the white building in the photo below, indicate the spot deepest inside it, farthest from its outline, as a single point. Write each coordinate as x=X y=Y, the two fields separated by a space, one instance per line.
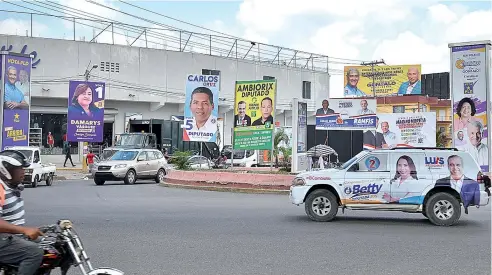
x=151 y=82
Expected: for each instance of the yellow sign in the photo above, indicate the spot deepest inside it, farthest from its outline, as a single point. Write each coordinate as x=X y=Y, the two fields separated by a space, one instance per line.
x=388 y=80
x=254 y=112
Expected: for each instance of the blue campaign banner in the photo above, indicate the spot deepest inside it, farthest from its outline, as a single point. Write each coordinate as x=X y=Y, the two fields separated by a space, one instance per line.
x=347 y=114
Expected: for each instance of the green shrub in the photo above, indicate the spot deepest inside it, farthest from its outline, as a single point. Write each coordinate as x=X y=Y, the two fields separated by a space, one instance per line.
x=180 y=160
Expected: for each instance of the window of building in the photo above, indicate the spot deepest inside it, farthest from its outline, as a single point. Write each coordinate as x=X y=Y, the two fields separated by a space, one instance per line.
x=210 y=72
x=266 y=77
x=398 y=109
x=306 y=89
x=110 y=67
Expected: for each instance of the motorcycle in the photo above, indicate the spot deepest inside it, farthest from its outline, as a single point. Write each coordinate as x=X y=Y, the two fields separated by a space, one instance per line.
x=62 y=249
x=218 y=163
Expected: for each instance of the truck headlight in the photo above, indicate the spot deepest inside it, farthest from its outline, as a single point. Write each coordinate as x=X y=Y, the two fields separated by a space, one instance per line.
x=120 y=166
x=298 y=182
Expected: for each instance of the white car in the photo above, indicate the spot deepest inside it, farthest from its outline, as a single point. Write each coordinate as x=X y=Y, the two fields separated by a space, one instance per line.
x=433 y=181
x=38 y=171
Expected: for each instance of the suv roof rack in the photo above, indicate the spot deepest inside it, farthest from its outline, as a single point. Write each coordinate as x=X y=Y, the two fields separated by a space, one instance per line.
x=424 y=148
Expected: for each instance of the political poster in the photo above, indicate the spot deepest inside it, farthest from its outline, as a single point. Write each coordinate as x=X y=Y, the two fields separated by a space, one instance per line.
x=402 y=130
x=85 y=116
x=16 y=100
x=388 y=80
x=469 y=90
x=254 y=112
x=201 y=108
x=347 y=114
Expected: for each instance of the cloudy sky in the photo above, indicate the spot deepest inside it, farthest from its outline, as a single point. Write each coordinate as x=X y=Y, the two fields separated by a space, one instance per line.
x=398 y=31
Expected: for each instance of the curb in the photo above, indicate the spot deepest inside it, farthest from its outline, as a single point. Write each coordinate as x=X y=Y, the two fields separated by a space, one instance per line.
x=225 y=189
x=69 y=169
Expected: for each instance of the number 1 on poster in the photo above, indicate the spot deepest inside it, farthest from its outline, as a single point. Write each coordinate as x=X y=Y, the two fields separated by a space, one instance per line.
x=99 y=91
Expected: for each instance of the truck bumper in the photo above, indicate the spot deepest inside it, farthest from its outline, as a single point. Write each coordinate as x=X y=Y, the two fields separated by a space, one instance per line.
x=298 y=193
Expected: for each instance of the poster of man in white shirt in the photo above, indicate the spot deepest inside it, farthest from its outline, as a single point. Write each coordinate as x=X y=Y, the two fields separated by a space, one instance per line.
x=201 y=108
x=476 y=147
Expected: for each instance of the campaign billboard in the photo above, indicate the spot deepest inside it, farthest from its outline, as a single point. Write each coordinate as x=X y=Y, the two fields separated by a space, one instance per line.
x=469 y=89
x=201 y=108
x=254 y=112
x=85 y=116
x=388 y=80
x=16 y=100
x=347 y=114
x=402 y=130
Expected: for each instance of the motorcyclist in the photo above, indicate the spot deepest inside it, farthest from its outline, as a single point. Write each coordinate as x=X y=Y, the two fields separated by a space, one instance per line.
x=14 y=249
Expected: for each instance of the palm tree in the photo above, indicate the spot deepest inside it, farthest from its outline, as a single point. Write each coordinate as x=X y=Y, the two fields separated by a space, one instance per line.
x=280 y=136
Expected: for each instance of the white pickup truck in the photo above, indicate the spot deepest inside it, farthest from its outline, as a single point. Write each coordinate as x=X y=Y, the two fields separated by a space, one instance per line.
x=38 y=171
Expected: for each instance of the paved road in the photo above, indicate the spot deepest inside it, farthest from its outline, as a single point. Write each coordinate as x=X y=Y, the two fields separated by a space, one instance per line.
x=147 y=229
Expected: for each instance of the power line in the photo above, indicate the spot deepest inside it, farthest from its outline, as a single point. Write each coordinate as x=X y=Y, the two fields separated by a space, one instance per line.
x=372 y=64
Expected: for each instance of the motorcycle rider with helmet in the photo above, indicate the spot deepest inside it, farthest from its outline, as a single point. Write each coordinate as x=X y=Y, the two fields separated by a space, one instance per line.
x=15 y=250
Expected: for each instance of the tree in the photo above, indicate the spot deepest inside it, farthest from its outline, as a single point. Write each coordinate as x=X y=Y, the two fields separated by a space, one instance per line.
x=279 y=137
x=441 y=139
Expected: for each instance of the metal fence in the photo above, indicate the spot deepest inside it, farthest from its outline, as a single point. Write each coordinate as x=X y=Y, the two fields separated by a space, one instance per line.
x=119 y=33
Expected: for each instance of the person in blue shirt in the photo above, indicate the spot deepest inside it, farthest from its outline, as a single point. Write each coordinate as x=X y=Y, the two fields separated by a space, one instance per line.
x=351 y=89
x=13 y=97
x=413 y=86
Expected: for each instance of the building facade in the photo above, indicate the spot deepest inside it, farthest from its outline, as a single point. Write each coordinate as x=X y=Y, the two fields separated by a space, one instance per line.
x=148 y=82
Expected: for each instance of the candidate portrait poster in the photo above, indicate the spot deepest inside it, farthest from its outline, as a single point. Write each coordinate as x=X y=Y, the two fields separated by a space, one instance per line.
x=85 y=116
x=347 y=114
x=201 y=108
x=16 y=100
x=254 y=112
x=469 y=94
x=388 y=80
x=403 y=130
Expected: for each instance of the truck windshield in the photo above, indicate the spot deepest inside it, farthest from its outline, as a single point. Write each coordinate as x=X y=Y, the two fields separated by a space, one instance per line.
x=130 y=140
x=125 y=155
x=350 y=161
x=27 y=153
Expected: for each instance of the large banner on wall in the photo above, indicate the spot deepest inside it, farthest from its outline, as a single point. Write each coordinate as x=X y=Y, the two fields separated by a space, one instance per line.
x=389 y=80
x=201 y=108
x=254 y=110
x=469 y=94
x=402 y=130
x=85 y=117
x=347 y=114
x=16 y=100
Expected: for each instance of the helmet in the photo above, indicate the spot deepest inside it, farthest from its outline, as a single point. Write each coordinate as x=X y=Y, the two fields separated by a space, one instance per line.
x=10 y=159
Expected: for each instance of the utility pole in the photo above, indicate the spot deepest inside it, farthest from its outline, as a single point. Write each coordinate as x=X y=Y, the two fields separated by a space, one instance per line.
x=372 y=64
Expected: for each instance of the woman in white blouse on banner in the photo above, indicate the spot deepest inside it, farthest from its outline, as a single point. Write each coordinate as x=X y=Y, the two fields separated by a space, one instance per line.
x=405 y=177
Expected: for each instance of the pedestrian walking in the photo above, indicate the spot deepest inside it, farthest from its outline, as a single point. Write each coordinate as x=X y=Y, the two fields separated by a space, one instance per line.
x=68 y=154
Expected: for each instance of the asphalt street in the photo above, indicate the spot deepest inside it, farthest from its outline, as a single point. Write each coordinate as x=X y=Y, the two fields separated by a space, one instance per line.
x=148 y=229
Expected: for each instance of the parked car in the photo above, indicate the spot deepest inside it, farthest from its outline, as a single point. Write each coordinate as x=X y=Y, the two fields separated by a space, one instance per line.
x=128 y=165
x=200 y=162
x=37 y=171
x=436 y=182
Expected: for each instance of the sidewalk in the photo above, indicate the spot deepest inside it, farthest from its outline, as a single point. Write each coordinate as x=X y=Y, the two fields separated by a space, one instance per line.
x=58 y=160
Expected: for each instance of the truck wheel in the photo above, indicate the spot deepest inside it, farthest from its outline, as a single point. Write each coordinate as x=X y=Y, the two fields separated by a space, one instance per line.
x=98 y=181
x=443 y=209
x=49 y=180
x=161 y=175
x=130 y=177
x=34 y=184
x=321 y=205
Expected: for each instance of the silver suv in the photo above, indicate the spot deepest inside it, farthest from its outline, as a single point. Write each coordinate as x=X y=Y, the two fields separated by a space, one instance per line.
x=131 y=164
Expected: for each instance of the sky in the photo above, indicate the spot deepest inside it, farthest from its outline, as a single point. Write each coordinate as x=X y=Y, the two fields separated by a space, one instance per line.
x=398 y=31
